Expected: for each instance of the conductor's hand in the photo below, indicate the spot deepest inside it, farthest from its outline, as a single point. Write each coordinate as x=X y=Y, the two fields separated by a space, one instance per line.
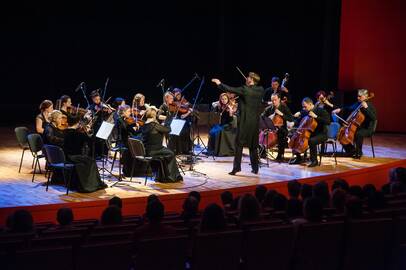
x=336 y=111
x=216 y=81
x=296 y=114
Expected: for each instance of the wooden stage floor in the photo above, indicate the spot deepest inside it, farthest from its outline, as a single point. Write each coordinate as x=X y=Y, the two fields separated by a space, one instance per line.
x=16 y=189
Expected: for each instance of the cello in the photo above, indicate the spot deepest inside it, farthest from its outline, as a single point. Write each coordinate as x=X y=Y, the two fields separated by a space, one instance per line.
x=354 y=120
x=269 y=137
x=299 y=142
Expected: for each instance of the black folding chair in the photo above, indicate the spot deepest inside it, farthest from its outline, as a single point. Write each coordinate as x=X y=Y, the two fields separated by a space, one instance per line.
x=137 y=151
x=55 y=158
x=35 y=143
x=21 y=134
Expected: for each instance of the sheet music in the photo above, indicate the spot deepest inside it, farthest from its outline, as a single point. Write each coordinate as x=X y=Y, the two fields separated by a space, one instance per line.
x=177 y=126
x=105 y=130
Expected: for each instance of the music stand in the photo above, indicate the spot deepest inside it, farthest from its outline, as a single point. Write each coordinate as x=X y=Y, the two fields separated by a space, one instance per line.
x=104 y=133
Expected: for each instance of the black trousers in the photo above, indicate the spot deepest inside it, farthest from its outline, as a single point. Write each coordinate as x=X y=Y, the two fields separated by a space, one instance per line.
x=360 y=134
x=238 y=157
x=313 y=142
x=282 y=134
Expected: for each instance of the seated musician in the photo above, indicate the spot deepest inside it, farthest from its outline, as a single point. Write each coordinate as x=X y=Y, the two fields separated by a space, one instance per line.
x=325 y=101
x=319 y=135
x=275 y=88
x=281 y=109
x=53 y=134
x=367 y=127
x=42 y=119
x=65 y=104
x=86 y=177
x=222 y=135
x=152 y=134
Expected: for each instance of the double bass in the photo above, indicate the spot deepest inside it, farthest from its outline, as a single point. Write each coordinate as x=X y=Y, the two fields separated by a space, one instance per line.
x=299 y=142
x=354 y=120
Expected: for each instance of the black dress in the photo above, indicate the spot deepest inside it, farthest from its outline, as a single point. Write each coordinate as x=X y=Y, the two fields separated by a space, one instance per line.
x=222 y=136
x=248 y=120
x=86 y=177
x=181 y=144
x=152 y=134
x=53 y=135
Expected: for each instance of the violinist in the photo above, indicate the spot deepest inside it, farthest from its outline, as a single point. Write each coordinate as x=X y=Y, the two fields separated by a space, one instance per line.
x=139 y=106
x=117 y=102
x=65 y=104
x=222 y=135
x=184 y=107
x=325 y=101
x=42 y=119
x=127 y=125
x=165 y=113
x=275 y=88
x=152 y=134
x=53 y=134
x=86 y=177
x=319 y=135
x=282 y=110
x=368 y=125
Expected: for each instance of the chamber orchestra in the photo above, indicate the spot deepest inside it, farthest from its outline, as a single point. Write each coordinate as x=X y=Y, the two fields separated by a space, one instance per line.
x=240 y=123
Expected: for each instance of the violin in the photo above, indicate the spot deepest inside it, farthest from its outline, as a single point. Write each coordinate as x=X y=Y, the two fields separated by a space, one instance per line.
x=182 y=106
x=77 y=111
x=299 y=142
x=134 y=121
x=347 y=132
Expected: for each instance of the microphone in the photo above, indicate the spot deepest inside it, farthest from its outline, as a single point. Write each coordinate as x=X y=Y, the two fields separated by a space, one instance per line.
x=160 y=83
x=79 y=86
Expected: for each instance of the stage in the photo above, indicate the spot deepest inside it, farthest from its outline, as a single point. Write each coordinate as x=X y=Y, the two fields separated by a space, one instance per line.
x=210 y=177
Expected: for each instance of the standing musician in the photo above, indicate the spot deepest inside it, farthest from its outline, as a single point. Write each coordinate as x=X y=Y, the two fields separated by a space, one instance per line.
x=139 y=106
x=275 y=88
x=222 y=135
x=53 y=134
x=42 y=119
x=65 y=104
x=368 y=125
x=152 y=134
x=282 y=110
x=319 y=135
x=250 y=96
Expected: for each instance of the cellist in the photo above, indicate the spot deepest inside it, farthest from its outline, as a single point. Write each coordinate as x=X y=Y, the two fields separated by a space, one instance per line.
x=319 y=135
x=367 y=127
x=281 y=109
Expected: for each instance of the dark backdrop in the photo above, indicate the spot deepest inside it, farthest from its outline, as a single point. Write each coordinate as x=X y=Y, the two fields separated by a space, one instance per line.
x=48 y=49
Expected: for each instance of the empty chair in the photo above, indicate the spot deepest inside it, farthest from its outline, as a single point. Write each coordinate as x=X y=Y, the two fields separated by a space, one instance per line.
x=55 y=158
x=319 y=246
x=105 y=256
x=35 y=143
x=332 y=133
x=21 y=135
x=268 y=248
x=367 y=244
x=161 y=253
x=217 y=251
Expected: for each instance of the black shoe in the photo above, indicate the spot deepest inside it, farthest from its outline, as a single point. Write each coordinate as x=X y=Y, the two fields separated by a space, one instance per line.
x=233 y=172
x=297 y=160
x=356 y=156
x=313 y=164
x=254 y=171
x=279 y=159
x=179 y=178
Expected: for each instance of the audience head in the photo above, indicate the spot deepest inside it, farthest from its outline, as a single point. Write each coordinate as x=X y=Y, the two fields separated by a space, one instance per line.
x=155 y=211
x=190 y=207
x=356 y=190
x=213 y=218
x=111 y=216
x=376 y=200
x=152 y=198
x=260 y=192
x=397 y=175
x=267 y=203
x=320 y=191
x=340 y=183
x=294 y=189
x=116 y=201
x=368 y=190
x=195 y=194
x=353 y=207
x=249 y=208
x=236 y=202
x=338 y=200
x=22 y=221
x=306 y=191
x=313 y=209
x=279 y=202
x=227 y=198
x=64 y=216
x=396 y=188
